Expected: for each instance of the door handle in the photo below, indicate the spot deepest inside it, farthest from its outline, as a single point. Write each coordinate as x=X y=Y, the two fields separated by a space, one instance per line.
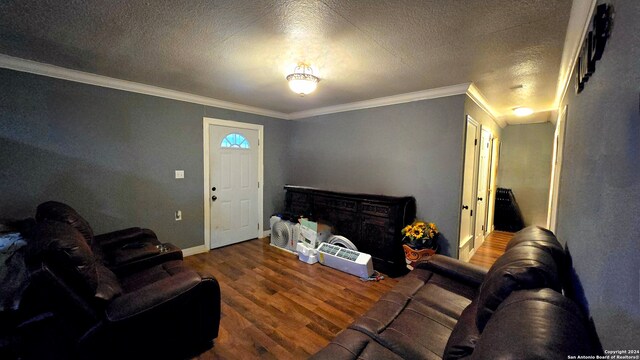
x=214 y=198
x=213 y=188
x=465 y=207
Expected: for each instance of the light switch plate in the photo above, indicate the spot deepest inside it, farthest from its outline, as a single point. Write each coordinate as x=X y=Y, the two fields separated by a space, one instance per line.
x=179 y=174
x=178 y=215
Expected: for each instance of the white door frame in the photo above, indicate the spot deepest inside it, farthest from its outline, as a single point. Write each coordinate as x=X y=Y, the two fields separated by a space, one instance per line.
x=493 y=176
x=488 y=190
x=206 y=122
x=556 y=167
x=474 y=187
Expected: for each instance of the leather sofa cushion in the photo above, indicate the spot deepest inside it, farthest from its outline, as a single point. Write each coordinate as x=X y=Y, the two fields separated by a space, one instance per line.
x=57 y=211
x=420 y=304
x=534 y=324
x=351 y=344
x=464 y=336
x=64 y=249
x=140 y=279
x=522 y=267
x=108 y=284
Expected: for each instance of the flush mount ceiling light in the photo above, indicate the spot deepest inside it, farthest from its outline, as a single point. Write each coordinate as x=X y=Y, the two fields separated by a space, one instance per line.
x=302 y=81
x=522 y=111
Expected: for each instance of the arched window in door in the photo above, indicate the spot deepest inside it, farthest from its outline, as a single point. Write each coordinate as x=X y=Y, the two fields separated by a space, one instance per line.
x=235 y=141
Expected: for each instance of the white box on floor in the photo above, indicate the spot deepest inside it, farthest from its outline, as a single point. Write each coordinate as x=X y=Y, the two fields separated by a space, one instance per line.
x=306 y=254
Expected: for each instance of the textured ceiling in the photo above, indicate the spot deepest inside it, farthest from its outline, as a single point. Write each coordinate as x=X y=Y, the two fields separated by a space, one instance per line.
x=240 y=51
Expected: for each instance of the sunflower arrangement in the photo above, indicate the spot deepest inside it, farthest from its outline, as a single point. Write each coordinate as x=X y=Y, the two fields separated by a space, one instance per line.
x=420 y=235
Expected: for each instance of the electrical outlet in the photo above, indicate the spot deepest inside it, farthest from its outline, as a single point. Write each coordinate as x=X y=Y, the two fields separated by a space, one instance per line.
x=178 y=215
x=179 y=174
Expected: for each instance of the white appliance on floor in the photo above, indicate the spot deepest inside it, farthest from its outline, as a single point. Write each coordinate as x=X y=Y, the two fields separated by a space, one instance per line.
x=347 y=260
x=284 y=234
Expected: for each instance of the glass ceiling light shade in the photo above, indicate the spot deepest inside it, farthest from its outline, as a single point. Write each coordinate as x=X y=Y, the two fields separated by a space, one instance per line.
x=522 y=111
x=302 y=81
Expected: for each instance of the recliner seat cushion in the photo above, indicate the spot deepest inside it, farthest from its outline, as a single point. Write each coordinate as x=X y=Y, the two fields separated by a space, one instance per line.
x=57 y=211
x=522 y=267
x=108 y=284
x=156 y=273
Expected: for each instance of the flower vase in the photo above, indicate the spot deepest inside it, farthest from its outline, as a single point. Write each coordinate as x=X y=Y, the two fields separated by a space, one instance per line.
x=412 y=256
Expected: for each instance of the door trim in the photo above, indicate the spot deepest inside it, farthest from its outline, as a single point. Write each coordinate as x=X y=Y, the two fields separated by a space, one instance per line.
x=206 y=122
x=556 y=169
x=474 y=185
x=487 y=200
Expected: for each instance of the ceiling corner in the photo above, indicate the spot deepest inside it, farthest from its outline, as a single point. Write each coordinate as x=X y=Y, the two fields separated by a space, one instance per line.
x=476 y=95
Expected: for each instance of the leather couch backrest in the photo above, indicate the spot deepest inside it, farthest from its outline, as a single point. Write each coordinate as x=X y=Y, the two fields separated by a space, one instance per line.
x=57 y=211
x=543 y=239
x=522 y=267
x=62 y=248
x=534 y=324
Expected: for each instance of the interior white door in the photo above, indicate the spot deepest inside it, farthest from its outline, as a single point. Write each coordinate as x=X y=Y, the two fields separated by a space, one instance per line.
x=233 y=180
x=482 y=196
x=468 y=191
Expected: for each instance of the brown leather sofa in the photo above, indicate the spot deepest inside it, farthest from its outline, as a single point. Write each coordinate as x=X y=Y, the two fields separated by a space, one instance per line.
x=77 y=307
x=447 y=309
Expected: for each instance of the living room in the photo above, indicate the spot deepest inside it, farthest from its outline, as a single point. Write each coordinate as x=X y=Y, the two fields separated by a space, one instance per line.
x=77 y=128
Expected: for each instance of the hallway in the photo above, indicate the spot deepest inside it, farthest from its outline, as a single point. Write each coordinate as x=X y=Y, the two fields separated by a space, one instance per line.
x=491 y=249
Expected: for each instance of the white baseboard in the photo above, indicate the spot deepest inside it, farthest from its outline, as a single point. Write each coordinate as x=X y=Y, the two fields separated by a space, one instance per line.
x=194 y=250
x=266 y=233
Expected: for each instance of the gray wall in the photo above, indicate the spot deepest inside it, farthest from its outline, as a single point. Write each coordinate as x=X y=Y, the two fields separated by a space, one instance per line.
x=525 y=167
x=112 y=154
x=599 y=195
x=406 y=149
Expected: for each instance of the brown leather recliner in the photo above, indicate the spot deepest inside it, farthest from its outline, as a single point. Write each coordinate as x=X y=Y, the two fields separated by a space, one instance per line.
x=81 y=309
x=121 y=251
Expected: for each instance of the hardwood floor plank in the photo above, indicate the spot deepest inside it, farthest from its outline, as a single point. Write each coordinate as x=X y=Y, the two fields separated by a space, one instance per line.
x=491 y=249
x=277 y=307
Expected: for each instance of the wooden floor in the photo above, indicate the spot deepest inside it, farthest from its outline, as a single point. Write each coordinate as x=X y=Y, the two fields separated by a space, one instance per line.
x=492 y=247
x=277 y=307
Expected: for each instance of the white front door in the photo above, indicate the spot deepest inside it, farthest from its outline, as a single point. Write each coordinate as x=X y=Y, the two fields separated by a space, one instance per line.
x=468 y=191
x=483 y=193
x=233 y=184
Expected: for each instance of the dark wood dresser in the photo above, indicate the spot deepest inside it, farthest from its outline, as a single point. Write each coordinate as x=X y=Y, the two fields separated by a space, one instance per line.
x=371 y=222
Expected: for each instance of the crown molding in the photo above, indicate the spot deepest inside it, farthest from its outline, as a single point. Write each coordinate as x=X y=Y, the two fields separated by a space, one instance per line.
x=579 y=22
x=33 y=67
x=476 y=95
x=384 y=101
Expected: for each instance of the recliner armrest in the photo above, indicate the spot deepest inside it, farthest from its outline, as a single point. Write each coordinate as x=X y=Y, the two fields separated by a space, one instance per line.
x=152 y=296
x=121 y=237
x=459 y=270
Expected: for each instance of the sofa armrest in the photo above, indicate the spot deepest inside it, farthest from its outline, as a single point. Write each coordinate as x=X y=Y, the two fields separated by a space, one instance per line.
x=456 y=269
x=121 y=237
x=152 y=297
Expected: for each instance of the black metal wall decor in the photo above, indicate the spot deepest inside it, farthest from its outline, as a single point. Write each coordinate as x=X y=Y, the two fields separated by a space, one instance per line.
x=593 y=46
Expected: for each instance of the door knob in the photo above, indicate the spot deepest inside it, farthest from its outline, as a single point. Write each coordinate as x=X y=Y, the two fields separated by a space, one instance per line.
x=214 y=198
x=479 y=199
x=465 y=207
x=213 y=188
